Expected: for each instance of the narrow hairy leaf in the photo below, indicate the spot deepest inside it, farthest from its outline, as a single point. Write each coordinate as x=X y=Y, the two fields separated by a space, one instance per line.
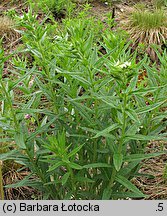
x=137 y=157
x=129 y=167
x=19 y=139
x=107 y=130
x=41 y=129
x=150 y=107
x=96 y=165
x=106 y=193
x=14 y=84
x=9 y=155
x=127 y=184
x=118 y=160
x=132 y=114
x=145 y=137
x=25 y=182
x=84 y=179
x=125 y=195
x=74 y=151
x=55 y=166
x=132 y=84
x=75 y=166
x=65 y=178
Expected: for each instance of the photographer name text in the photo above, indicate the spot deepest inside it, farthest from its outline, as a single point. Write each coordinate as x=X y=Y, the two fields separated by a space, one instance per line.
x=62 y=207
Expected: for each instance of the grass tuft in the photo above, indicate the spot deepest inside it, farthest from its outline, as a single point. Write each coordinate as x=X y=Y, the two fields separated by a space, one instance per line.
x=147 y=20
x=7 y=31
x=146 y=27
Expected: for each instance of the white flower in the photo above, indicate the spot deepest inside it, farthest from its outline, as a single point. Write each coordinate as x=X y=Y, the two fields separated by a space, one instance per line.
x=123 y=65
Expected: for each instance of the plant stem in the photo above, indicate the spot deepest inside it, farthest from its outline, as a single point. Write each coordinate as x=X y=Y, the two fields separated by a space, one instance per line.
x=114 y=172
x=10 y=105
x=72 y=180
x=38 y=172
x=1 y=183
x=124 y=124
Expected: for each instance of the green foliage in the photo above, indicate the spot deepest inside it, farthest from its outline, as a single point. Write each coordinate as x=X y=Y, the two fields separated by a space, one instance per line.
x=82 y=121
x=57 y=7
x=149 y=20
x=165 y=173
x=160 y=3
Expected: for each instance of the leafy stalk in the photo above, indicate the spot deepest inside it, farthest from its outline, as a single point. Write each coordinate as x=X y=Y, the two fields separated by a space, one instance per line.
x=1 y=183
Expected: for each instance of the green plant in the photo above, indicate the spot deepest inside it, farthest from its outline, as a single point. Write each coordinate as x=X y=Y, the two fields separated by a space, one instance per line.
x=165 y=173
x=1 y=183
x=81 y=123
x=58 y=8
x=149 y=20
x=10 y=13
x=159 y=3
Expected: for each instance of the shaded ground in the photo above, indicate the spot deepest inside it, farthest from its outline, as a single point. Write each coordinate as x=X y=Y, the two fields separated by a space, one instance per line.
x=154 y=186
